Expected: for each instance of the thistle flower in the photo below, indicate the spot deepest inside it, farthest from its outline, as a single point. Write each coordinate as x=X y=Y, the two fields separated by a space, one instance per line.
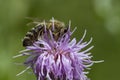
x=61 y=59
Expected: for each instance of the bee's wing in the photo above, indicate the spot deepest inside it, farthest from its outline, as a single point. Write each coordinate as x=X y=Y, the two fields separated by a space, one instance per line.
x=33 y=21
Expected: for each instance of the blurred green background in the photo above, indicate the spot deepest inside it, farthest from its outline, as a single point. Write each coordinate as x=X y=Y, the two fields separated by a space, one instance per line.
x=101 y=18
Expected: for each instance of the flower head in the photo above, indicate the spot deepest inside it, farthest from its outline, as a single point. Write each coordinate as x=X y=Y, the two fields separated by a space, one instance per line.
x=61 y=59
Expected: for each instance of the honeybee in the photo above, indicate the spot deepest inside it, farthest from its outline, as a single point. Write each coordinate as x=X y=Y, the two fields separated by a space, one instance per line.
x=36 y=32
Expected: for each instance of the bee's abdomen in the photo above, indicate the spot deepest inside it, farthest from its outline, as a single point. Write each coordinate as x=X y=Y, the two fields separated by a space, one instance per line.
x=27 y=41
x=32 y=36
